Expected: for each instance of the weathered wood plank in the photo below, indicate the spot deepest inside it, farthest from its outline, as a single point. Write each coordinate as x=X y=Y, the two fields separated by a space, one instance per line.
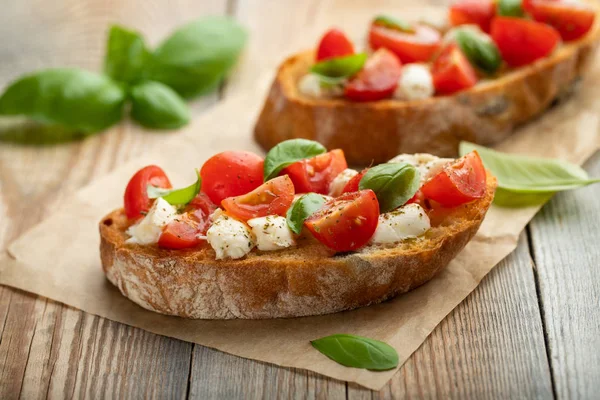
x=565 y=237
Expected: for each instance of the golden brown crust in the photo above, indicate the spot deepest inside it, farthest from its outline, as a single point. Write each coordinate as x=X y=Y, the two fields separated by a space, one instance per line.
x=305 y=280
x=377 y=131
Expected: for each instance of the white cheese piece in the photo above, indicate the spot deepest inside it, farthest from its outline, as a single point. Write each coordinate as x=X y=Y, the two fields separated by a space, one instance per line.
x=229 y=237
x=148 y=230
x=339 y=182
x=415 y=83
x=427 y=164
x=272 y=232
x=311 y=85
x=408 y=221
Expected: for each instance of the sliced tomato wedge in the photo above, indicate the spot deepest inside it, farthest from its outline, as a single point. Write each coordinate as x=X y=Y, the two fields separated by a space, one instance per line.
x=273 y=197
x=419 y=46
x=452 y=71
x=231 y=173
x=571 y=19
x=458 y=183
x=478 y=12
x=352 y=185
x=347 y=222
x=333 y=44
x=136 y=201
x=378 y=78
x=316 y=174
x=521 y=42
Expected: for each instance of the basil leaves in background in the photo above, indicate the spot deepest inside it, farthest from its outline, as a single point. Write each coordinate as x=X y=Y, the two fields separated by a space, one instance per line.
x=393 y=23
x=303 y=208
x=510 y=8
x=479 y=48
x=158 y=106
x=340 y=67
x=393 y=183
x=289 y=152
x=176 y=196
x=126 y=55
x=358 y=352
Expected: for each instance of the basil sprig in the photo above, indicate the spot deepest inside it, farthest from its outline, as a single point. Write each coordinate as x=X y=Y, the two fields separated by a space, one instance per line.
x=156 y=105
x=176 y=196
x=340 y=67
x=358 y=352
x=393 y=183
x=288 y=152
x=480 y=49
x=510 y=8
x=303 y=208
x=393 y=23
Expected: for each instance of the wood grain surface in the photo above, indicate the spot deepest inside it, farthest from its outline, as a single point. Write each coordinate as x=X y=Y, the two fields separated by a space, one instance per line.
x=530 y=330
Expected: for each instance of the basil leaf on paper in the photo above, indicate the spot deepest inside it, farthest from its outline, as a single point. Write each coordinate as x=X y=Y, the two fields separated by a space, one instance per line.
x=358 y=352
x=510 y=8
x=393 y=23
x=75 y=98
x=198 y=56
x=393 y=183
x=176 y=196
x=126 y=55
x=523 y=174
x=340 y=67
x=289 y=152
x=303 y=208
x=157 y=106
x=480 y=49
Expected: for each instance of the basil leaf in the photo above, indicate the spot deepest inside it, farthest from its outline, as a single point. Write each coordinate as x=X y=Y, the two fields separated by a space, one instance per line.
x=71 y=97
x=198 y=56
x=510 y=8
x=506 y=198
x=126 y=55
x=479 y=49
x=303 y=208
x=176 y=196
x=522 y=174
x=393 y=23
x=340 y=67
x=157 y=106
x=393 y=183
x=358 y=352
x=289 y=152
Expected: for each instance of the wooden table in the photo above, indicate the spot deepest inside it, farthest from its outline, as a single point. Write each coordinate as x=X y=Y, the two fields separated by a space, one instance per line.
x=531 y=329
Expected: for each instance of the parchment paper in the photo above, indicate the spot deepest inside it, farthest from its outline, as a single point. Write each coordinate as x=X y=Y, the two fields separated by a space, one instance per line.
x=59 y=258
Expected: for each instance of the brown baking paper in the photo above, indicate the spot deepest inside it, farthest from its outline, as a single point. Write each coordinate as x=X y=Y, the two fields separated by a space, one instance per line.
x=59 y=258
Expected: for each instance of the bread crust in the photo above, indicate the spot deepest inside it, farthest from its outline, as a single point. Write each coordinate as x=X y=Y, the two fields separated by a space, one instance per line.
x=304 y=280
x=377 y=131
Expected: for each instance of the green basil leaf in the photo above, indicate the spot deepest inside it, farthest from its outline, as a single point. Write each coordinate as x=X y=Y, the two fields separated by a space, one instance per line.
x=480 y=50
x=126 y=55
x=358 y=352
x=71 y=97
x=289 y=152
x=340 y=67
x=522 y=174
x=393 y=183
x=176 y=196
x=157 y=106
x=303 y=208
x=393 y=23
x=197 y=57
x=510 y=8
x=506 y=198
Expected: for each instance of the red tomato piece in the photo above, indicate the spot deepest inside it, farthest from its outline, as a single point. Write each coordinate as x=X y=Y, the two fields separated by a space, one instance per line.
x=452 y=71
x=333 y=44
x=521 y=42
x=231 y=173
x=273 y=197
x=458 y=183
x=378 y=78
x=571 y=20
x=136 y=201
x=409 y=47
x=347 y=222
x=352 y=185
x=316 y=174
x=478 y=12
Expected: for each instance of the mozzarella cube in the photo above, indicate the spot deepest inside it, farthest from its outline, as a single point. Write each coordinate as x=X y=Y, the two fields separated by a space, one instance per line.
x=408 y=221
x=339 y=182
x=272 y=233
x=311 y=85
x=415 y=83
x=427 y=164
x=148 y=230
x=229 y=237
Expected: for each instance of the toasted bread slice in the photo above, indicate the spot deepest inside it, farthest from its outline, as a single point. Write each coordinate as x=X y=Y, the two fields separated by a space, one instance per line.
x=377 y=131
x=304 y=280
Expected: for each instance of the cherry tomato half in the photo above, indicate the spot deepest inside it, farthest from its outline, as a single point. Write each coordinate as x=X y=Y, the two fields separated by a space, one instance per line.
x=273 y=197
x=478 y=12
x=347 y=222
x=352 y=185
x=521 y=42
x=571 y=20
x=231 y=173
x=452 y=71
x=378 y=78
x=458 y=183
x=316 y=174
x=333 y=44
x=409 y=47
x=136 y=200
